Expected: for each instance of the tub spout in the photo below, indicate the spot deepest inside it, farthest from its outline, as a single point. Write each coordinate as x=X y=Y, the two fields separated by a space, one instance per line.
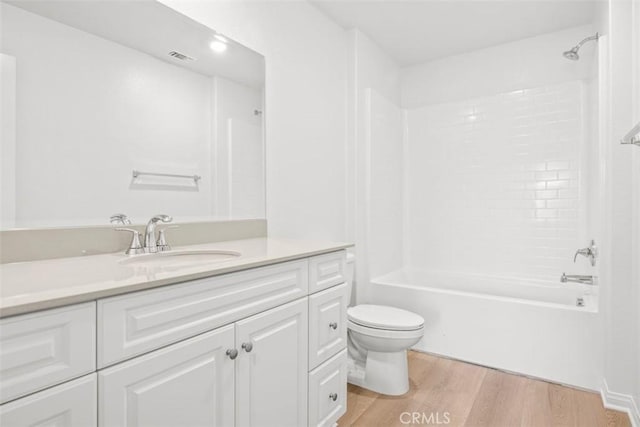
x=576 y=278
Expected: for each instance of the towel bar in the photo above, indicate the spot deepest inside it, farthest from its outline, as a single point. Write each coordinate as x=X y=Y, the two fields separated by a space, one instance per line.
x=137 y=173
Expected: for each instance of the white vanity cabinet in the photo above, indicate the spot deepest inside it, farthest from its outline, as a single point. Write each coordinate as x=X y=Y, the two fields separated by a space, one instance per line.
x=250 y=348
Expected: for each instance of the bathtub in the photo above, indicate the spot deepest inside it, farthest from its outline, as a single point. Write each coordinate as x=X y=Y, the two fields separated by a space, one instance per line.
x=541 y=329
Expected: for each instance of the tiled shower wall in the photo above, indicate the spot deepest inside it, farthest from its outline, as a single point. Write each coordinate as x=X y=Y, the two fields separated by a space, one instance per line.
x=494 y=183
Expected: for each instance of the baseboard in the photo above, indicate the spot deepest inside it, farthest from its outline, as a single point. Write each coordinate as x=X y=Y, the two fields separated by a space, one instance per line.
x=620 y=402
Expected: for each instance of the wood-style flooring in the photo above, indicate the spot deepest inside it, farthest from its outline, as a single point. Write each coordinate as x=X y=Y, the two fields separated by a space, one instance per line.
x=470 y=395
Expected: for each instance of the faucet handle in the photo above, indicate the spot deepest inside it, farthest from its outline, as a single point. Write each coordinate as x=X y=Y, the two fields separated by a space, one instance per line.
x=161 y=243
x=135 y=247
x=162 y=217
x=120 y=218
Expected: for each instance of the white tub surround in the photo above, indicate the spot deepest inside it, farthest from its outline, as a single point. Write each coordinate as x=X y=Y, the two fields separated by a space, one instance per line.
x=530 y=327
x=493 y=177
x=37 y=285
x=258 y=340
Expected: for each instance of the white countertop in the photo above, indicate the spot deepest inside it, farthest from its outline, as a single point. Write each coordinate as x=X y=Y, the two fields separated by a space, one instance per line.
x=38 y=285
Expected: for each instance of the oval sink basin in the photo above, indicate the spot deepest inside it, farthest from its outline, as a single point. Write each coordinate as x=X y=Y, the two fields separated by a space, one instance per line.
x=186 y=258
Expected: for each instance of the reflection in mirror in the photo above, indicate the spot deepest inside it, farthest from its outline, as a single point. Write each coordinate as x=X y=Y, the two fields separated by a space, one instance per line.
x=125 y=106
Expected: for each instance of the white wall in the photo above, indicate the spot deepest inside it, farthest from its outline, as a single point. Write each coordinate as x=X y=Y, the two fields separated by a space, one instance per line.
x=7 y=141
x=636 y=192
x=384 y=194
x=372 y=74
x=89 y=111
x=306 y=78
x=621 y=289
x=522 y=64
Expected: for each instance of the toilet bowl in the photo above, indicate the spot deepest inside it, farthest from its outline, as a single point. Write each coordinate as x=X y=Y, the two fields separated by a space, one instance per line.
x=378 y=339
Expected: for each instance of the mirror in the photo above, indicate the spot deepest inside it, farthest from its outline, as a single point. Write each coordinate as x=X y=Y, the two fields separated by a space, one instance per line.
x=126 y=107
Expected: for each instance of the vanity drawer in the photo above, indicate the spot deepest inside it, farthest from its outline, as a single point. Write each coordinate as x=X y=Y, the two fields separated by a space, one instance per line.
x=328 y=391
x=46 y=348
x=133 y=324
x=327 y=323
x=327 y=270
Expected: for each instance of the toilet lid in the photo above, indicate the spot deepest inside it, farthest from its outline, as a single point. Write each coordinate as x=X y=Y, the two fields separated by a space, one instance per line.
x=383 y=317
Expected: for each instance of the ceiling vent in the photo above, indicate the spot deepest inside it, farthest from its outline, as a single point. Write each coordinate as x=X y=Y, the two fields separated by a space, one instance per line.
x=181 y=56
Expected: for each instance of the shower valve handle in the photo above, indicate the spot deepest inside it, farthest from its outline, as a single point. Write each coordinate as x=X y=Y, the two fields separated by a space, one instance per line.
x=584 y=252
x=590 y=252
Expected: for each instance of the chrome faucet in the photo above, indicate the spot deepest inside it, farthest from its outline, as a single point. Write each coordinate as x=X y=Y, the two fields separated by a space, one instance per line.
x=150 y=244
x=590 y=252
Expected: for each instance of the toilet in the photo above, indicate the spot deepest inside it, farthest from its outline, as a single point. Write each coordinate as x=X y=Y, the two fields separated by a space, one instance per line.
x=378 y=339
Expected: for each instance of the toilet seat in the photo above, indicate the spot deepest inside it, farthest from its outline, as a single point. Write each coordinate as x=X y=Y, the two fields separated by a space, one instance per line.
x=386 y=333
x=384 y=318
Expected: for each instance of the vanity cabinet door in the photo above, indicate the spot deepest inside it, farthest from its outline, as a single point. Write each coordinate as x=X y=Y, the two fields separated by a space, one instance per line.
x=271 y=385
x=188 y=384
x=72 y=404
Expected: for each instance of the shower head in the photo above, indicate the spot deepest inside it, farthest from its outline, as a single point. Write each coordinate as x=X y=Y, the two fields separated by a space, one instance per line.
x=572 y=53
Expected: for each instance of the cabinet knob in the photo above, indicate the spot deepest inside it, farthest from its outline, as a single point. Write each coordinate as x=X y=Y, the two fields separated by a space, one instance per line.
x=333 y=325
x=247 y=346
x=232 y=353
x=333 y=396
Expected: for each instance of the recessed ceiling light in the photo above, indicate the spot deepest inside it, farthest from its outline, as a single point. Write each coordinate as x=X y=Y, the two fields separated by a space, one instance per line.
x=218 y=46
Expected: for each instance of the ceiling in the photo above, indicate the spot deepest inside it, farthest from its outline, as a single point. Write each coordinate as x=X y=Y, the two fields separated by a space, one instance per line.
x=413 y=32
x=155 y=29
